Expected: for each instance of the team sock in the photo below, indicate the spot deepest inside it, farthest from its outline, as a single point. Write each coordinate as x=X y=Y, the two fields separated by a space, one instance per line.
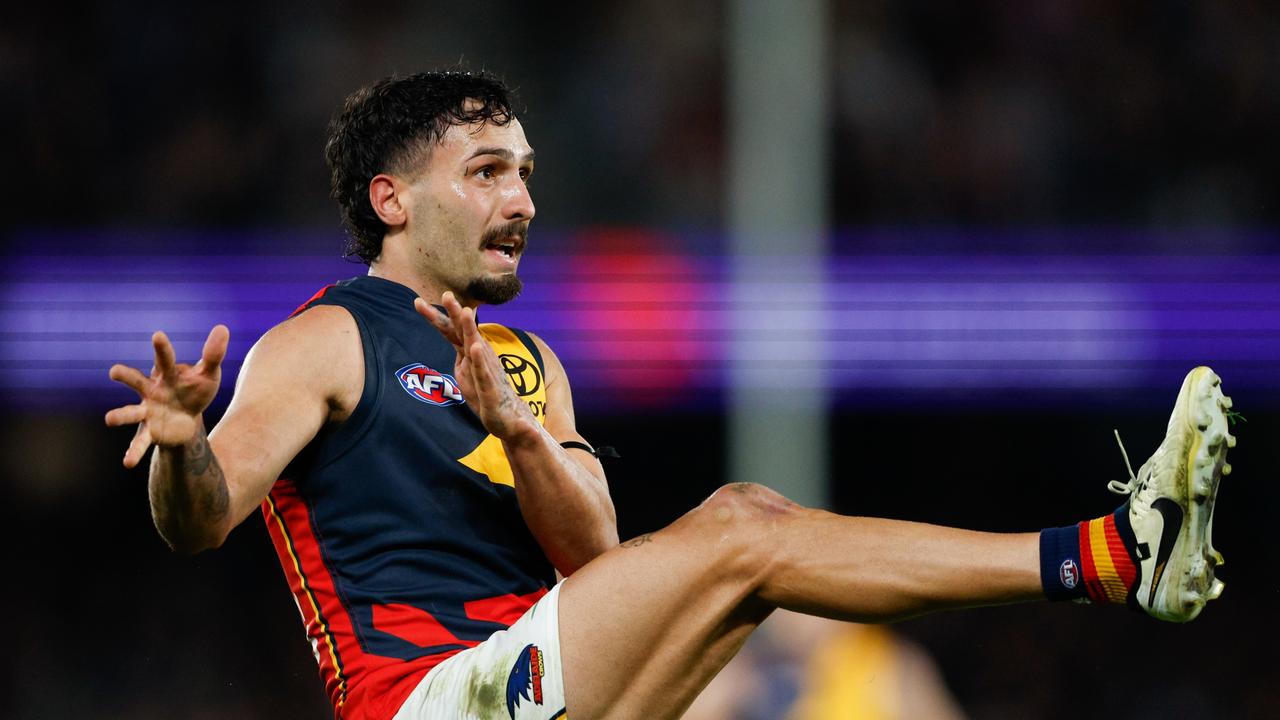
x=1092 y=560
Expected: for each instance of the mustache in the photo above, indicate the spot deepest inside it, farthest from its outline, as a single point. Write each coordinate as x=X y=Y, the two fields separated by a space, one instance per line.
x=517 y=228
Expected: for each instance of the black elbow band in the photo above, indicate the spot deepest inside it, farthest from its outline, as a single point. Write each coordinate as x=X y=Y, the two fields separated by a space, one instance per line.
x=600 y=452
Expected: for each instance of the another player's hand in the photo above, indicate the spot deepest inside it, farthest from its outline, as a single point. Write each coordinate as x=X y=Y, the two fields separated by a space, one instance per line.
x=172 y=397
x=478 y=371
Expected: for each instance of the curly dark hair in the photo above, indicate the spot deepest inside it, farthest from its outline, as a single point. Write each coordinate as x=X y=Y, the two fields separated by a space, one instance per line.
x=388 y=126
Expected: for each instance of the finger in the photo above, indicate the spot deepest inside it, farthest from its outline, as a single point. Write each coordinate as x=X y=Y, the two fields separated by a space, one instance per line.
x=166 y=363
x=127 y=415
x=479 y=349
x=454 y=308
x=137 y=447
x=438 y=320
x=215 y=349
x=132 y=377
x=462 y=372
x=425 y=310
x=470 y=331
x=481 y=369
x=460 y=318
x=485 y=366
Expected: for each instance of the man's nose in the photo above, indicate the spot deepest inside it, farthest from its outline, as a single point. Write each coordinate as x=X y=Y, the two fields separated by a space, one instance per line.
x=517 y=202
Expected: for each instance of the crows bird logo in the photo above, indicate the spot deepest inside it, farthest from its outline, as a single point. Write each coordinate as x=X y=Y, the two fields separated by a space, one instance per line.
x=525 y=678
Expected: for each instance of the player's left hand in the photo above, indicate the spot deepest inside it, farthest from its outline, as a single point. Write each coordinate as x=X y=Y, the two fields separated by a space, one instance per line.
x=478 y=371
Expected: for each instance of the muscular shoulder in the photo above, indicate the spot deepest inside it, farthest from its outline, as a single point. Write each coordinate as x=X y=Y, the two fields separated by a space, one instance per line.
x=315 y=326
x=551 y=363
x=559 y=393
x=316 y=353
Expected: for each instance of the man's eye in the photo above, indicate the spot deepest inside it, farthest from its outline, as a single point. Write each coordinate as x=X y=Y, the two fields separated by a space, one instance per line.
x=485 y=172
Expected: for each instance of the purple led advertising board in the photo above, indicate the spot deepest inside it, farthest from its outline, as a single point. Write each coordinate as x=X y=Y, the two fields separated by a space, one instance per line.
x=641 y=326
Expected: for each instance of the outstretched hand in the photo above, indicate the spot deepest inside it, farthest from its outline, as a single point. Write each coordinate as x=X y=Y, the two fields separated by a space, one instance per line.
x=477 y=369
x=172 y=397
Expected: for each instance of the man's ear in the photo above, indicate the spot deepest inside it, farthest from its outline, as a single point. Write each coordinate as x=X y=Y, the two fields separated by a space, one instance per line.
x=384 y=196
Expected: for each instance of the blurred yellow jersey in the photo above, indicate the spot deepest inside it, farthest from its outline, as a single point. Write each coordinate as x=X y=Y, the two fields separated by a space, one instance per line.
x=864 y=672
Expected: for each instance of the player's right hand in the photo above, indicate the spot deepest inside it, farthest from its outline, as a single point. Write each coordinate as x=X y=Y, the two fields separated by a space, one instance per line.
x=173 y=397
x=478 y=371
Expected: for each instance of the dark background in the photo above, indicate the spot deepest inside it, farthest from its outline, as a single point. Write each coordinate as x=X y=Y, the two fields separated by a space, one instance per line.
x=1002 y=119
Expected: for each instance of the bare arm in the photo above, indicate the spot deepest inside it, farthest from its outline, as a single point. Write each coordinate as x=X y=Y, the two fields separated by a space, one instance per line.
x=190 y=501
x=169 y=415
x=563 y=494
x=201 y=486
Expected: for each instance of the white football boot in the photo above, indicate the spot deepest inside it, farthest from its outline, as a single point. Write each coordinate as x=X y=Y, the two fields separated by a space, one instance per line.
x=1171 y=503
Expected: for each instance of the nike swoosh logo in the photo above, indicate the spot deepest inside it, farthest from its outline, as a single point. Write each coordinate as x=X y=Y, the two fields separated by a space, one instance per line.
x=1172 y=514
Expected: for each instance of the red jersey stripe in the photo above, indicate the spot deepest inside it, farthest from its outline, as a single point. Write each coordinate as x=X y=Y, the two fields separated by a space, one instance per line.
x=281 y=503
x=319 y=294
x=504 y=609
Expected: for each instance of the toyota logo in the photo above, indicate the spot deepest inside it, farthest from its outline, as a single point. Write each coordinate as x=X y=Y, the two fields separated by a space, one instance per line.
x=524 y=375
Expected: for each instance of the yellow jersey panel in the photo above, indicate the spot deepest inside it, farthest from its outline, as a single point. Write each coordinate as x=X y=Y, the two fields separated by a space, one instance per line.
x=525 y=374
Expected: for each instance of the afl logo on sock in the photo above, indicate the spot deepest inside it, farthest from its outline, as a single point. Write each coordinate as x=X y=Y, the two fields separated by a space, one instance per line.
x=429 y=386
x=1069 y=574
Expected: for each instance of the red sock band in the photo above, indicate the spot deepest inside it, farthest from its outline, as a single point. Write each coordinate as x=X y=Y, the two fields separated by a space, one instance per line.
x=1108 y=570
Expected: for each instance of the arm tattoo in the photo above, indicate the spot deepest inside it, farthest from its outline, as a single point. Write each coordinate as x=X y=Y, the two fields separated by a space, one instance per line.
x=188 y=492
x=638 y=541
x=200 y=465
x=197 y=457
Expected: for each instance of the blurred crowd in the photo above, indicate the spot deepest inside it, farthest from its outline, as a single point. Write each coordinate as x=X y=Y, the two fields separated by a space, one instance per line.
x=801 y=667
x=1050 y=113
x=985 y=113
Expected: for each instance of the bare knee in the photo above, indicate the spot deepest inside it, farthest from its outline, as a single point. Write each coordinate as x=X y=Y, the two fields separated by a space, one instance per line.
x=740 y=529
x=739 y=502
x=742 y=523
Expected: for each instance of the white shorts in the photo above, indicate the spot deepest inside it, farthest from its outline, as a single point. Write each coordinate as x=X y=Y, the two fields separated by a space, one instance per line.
x=514 y=675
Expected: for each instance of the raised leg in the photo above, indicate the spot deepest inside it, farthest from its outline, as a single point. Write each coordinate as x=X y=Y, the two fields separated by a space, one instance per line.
x=645 y=627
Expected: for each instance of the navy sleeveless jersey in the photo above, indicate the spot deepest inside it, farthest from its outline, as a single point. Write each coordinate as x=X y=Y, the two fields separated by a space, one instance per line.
x=398 y=529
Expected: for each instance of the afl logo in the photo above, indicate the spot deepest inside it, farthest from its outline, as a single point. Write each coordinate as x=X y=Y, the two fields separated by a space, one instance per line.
x=1069 y=574
x=524 y=375
x=429 y=386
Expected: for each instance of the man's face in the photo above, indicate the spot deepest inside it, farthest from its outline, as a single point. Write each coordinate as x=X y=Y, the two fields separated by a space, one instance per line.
x=470 y=211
